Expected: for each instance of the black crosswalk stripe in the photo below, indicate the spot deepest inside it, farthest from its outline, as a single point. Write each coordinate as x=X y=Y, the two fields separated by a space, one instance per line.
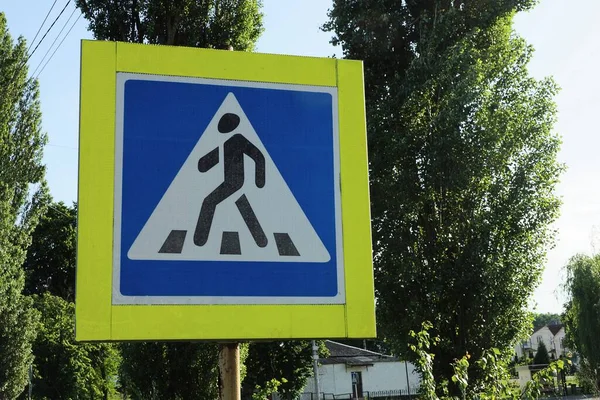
x=230 y=243
x=174 y=242
x=285 y=246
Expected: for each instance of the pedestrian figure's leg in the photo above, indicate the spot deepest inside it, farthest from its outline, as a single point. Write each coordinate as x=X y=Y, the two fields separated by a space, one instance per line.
x=207 y=212
x=251 y=221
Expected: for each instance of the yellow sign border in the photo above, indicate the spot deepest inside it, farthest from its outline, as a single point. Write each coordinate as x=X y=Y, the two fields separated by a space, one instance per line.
x=97 y=318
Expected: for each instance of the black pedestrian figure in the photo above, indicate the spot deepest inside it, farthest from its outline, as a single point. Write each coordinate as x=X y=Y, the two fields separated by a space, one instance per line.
x=234 y=150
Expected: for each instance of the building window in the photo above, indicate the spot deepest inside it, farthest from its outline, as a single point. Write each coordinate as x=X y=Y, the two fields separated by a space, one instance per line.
x=357 y=387
x=539 y=339
x=562 y=343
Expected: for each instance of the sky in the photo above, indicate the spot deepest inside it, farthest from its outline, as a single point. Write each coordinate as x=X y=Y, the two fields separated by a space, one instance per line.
x=567 y=49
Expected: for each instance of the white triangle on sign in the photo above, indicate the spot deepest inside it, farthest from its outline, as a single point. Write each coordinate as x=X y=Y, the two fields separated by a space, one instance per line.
x=169 y=232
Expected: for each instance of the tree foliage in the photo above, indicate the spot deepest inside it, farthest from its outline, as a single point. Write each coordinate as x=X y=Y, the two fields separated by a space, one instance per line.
x=266 y=391
x=494 y=380
x=50 y=263
x=208 y=23
x=170 y=371
x=542 y=319
x=541 y=355
x=64 y=369
x=582 y=313
x=23 y=196
x=462 y=165
x=288 y=363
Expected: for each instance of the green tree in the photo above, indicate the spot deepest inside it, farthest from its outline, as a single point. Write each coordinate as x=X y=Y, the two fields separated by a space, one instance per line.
x=169 y=371
x=288 y=363
x=50 y=263
x=64 y=369
x=541 y=355
x=210 y=23
x=543 y=319
x=266 y=391
x=494 y=380
x=23 y=196
x=462 y=167
x=582 y=313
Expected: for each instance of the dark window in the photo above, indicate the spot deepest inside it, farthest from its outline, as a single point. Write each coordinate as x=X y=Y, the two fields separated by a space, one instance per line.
x=357 y=387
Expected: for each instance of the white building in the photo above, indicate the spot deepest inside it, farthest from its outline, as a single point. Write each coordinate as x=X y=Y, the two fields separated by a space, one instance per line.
x=358 y=373
x=553 y=337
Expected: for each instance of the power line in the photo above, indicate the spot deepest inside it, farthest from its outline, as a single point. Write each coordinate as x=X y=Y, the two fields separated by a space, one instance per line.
x=55 y=39
x=18 y=70
x=52 y=206
x=47 y=31
x=41 y=26
x=57 y=47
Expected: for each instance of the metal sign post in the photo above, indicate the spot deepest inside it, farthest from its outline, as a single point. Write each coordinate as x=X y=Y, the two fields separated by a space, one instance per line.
x=315 y=350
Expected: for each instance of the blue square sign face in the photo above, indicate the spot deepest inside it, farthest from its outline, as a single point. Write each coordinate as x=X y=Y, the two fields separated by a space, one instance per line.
x=226 y=192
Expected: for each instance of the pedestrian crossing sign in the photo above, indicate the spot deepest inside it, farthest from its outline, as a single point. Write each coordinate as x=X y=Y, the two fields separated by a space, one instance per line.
x=217 y=202
x=222 y=195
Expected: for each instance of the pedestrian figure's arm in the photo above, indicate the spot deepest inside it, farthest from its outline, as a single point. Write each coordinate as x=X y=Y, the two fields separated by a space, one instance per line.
x=209 y=160
x=254 y=153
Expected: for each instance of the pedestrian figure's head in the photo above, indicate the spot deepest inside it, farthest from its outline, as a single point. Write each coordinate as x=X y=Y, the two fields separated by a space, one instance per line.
x=228 y=123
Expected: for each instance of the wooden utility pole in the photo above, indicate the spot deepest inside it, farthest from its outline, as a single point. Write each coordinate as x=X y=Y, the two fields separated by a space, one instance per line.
x=229 y=371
